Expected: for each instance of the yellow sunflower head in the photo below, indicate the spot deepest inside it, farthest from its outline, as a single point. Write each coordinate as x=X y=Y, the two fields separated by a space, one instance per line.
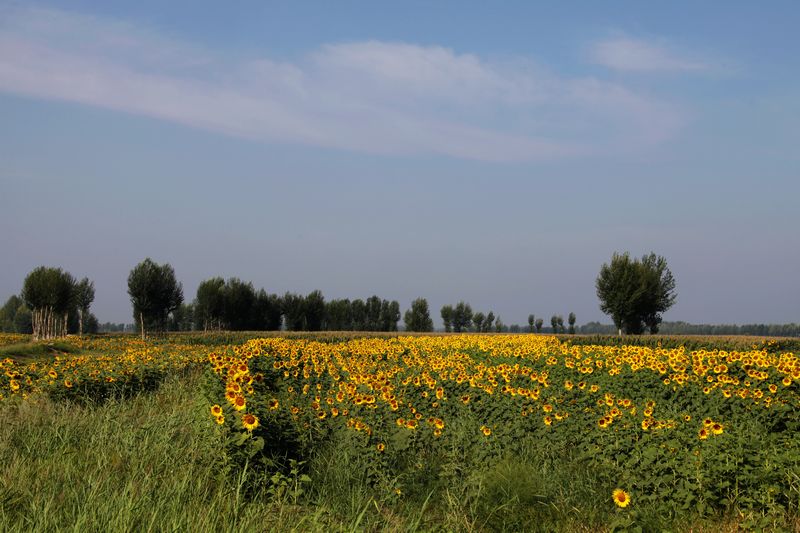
x=621 y=498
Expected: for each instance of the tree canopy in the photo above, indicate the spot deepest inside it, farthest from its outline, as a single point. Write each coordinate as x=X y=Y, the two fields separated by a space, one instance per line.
x=635 y=292
x=154 y=293
x=418 y=318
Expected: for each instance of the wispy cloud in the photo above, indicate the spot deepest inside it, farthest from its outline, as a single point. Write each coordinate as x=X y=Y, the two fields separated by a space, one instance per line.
x=623 y=53
x=373 y=97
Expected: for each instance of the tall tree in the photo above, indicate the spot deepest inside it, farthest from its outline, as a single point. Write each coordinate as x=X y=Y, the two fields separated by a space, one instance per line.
x=358 y=310
x=209 y=304
x=658 y=290
x=8 y=313
x=571 y=320
x=477 y=320
x=554 y=323
x=182 y=318
x=499 y=326
x=293 y=307
x=268 y=311
x=531 y=321
x=373 y=311
x=447 y=317
x=390 y=315
x=487 y=324
x=154 y=293
x=238 y=305
x=539 y=323
x=84 y=296
x=418 y=318
x=314 y=310
x=339 y=315
x=50 y=295
x=462 y=317
x=635 y=292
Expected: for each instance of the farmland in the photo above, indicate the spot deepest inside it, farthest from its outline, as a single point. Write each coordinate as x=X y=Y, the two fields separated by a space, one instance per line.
x=453 y=432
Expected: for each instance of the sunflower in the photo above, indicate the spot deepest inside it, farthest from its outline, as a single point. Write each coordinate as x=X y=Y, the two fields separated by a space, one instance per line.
x=621 y=498
x=216 y=410
x=548 y=421
x=273 y=403
x=220 y=420
x=239 y=403
x=716 y=428
x=702 y=434
x=381 y=446
x=486 y=431
x=250 y=422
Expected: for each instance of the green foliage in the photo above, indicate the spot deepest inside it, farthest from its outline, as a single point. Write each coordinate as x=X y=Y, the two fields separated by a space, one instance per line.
x=209 y=304
x=84 y=296
x=478 y=319
x=487 y=323
x=447 y=317
x=314 y=310
x=293 y=307
x=462 y=317
x=338 y=315
x=154 y=293
x=635 y=292
x=50 y=294
x=8 y=314
x=390 y=315
x=418 y=318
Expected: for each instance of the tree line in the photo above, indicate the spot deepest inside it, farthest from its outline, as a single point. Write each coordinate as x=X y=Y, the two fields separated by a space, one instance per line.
x=235 y=305
x=634 y=292
x=52 y=304
x=685 y=328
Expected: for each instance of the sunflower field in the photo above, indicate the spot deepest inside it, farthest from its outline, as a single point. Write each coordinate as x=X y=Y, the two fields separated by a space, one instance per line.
x=341 y=432
x=670 y=431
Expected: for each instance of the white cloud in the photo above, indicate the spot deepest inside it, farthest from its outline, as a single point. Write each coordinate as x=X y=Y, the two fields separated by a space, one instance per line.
x=636 y=55
x=373 y=97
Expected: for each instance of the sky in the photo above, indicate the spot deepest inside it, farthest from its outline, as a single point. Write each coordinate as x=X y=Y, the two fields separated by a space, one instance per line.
x=496 y=153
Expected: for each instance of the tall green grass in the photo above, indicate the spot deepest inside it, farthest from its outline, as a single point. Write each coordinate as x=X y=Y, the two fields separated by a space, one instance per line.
x=153 y=462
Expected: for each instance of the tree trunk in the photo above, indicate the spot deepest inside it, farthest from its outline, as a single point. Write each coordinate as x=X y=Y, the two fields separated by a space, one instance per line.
x=141 y=321
x=80 y=322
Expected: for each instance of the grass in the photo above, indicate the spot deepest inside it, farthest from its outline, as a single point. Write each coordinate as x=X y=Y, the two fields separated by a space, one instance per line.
x=153 y=463
x=33 y=351
x=145 y=464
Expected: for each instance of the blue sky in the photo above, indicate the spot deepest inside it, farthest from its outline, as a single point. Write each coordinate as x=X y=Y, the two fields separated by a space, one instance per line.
x=497 y=154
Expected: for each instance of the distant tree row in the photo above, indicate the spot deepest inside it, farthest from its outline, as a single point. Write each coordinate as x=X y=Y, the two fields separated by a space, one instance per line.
x=684 y=328
x=461 y=318
x=52 y=304
x=234 y=304
x=634 y=292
